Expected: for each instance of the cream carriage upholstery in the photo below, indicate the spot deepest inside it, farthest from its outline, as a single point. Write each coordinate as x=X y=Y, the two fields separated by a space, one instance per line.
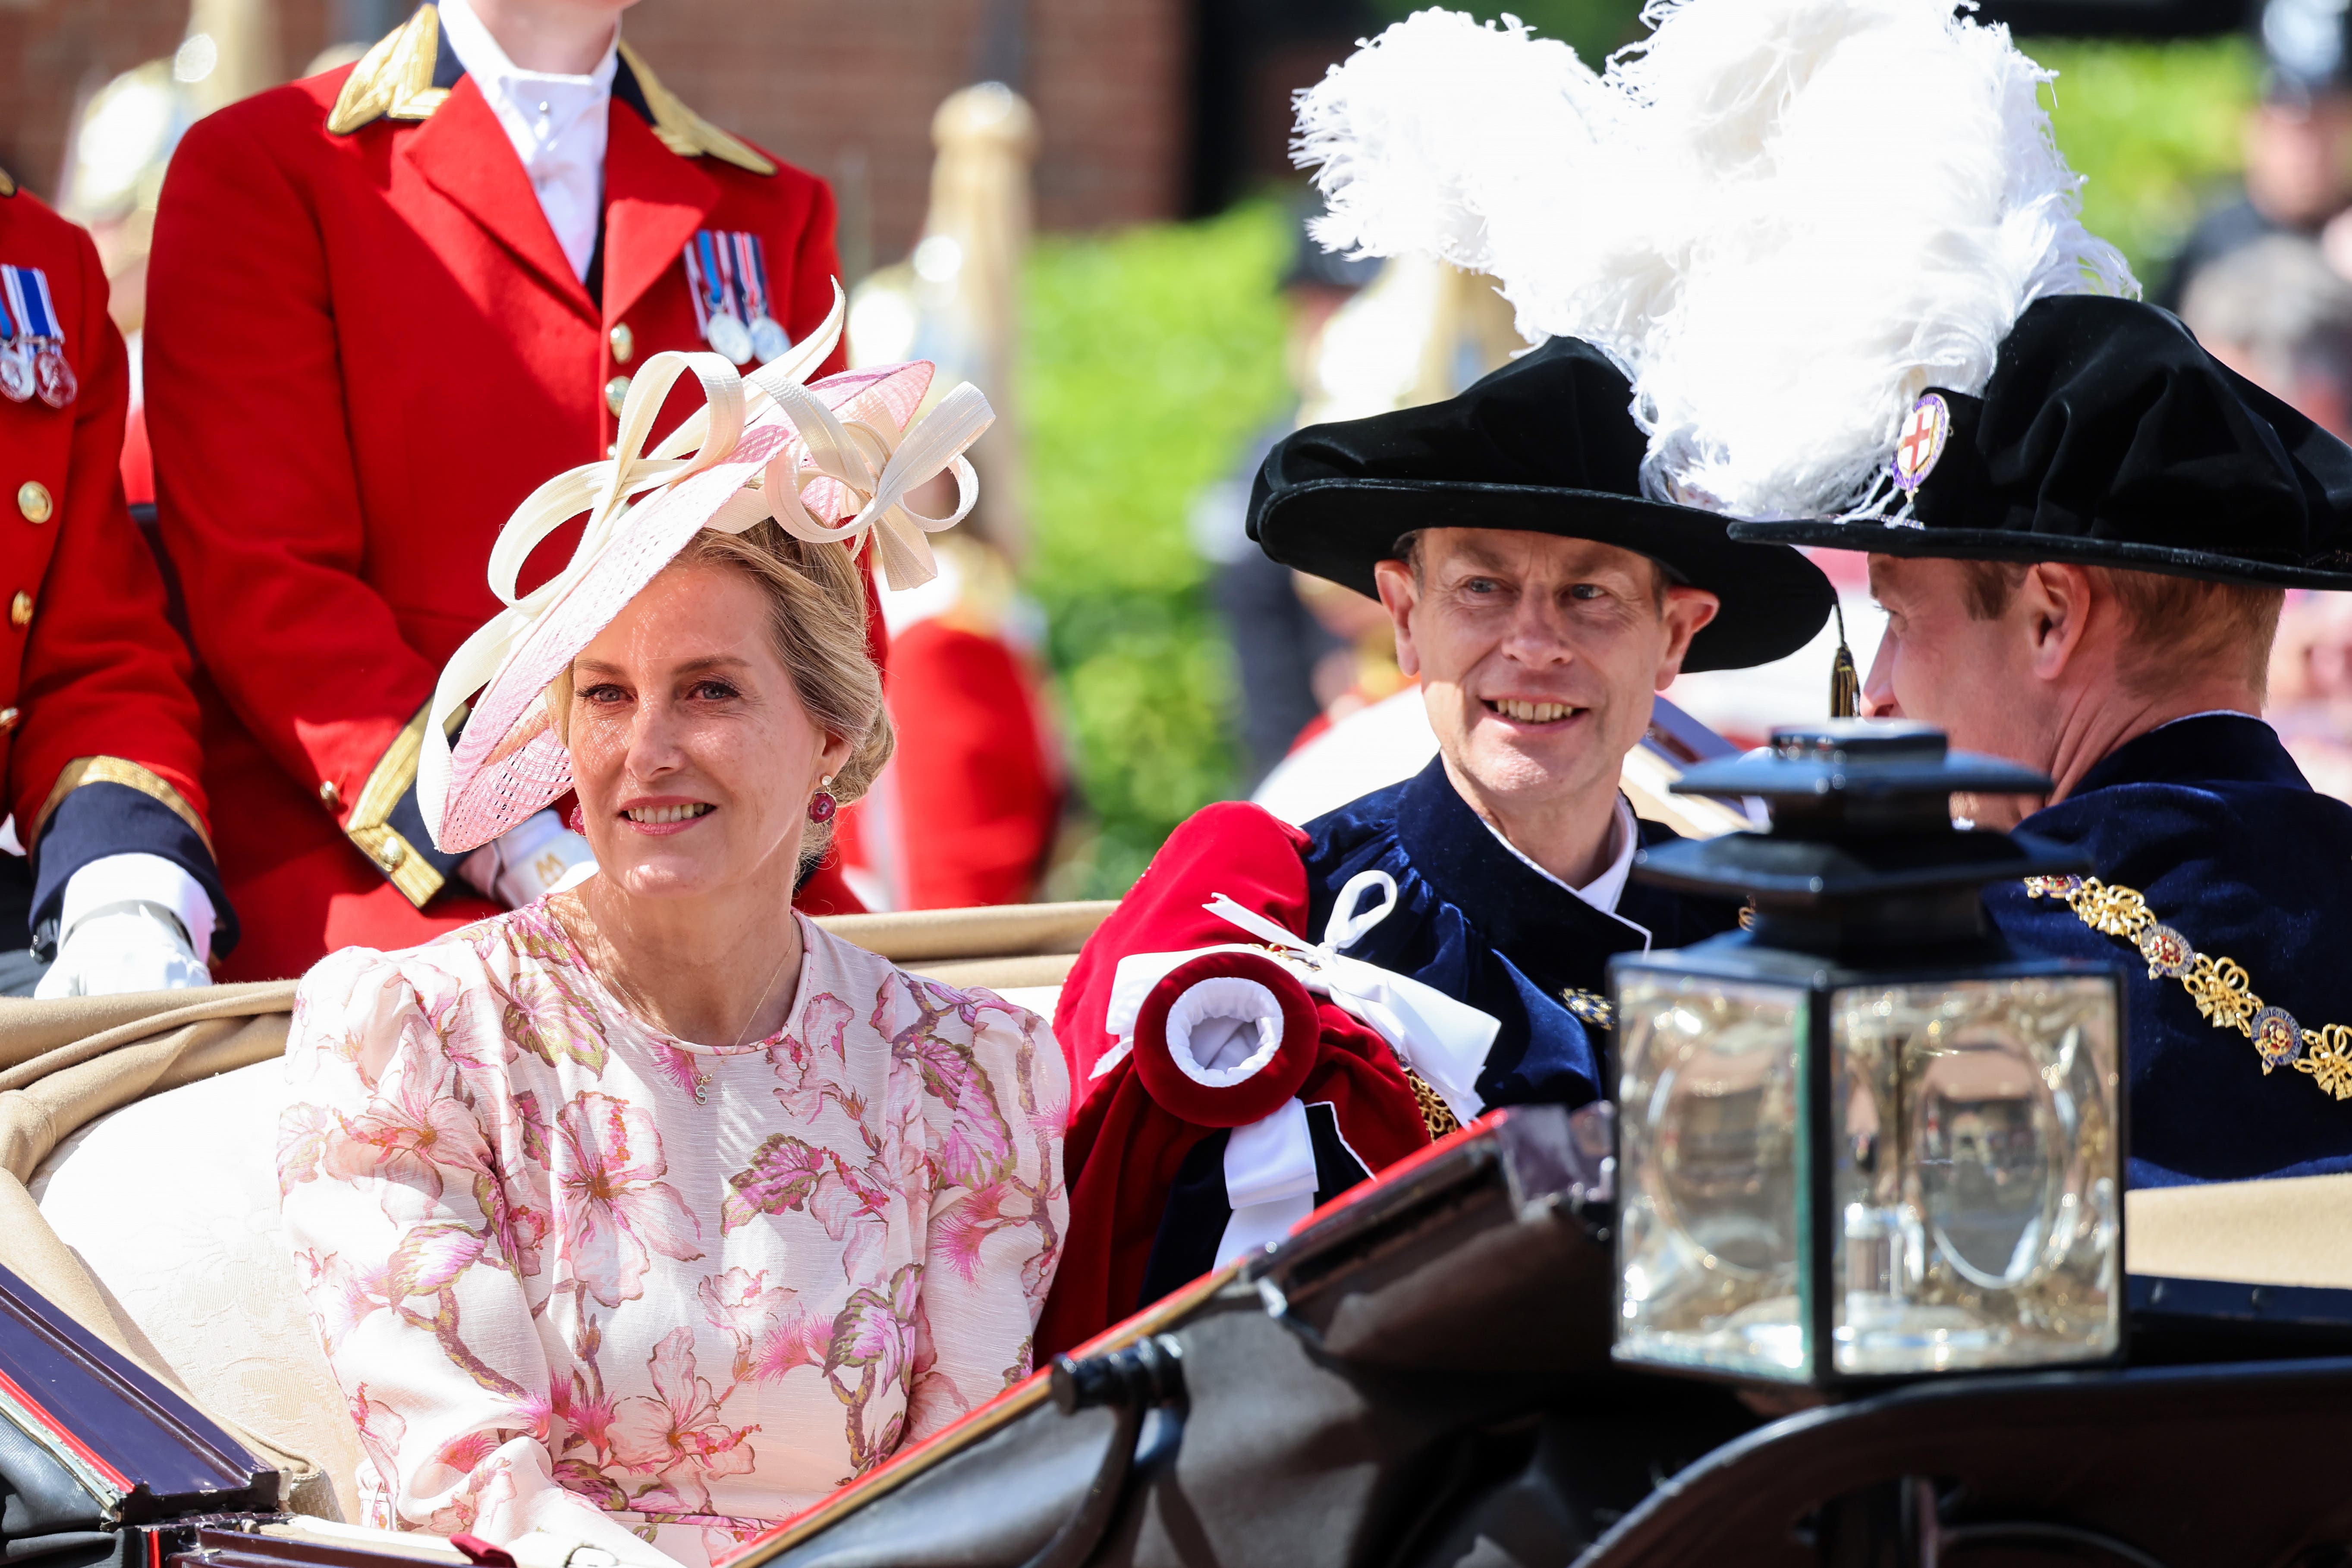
x=138 y=1187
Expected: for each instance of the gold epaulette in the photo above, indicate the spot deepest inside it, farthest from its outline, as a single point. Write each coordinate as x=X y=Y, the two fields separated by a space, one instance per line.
x=683 y=131
x=369 y=827
x=116 y=771
x=395 y=80
x=7 y=184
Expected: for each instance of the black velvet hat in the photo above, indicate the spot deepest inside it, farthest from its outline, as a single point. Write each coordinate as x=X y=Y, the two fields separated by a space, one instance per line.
x=2107 y=436
x=1545 y=444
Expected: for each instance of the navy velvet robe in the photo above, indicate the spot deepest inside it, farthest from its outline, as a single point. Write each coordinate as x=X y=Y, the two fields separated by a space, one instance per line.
x=1478 y=923
x=2211 y=822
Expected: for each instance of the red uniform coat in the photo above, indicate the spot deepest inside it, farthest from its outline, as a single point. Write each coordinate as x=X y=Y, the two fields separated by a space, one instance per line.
x=364 y=350
x=966 y=813
x=93 y=680
x=1124 y=1149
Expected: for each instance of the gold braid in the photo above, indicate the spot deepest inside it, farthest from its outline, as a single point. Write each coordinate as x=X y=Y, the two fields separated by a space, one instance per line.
x=2221 y=988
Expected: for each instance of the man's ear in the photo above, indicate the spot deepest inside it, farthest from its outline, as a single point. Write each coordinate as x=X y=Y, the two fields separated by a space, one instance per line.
x=2053 y=610
x=1399 y=594
x=1685 y=614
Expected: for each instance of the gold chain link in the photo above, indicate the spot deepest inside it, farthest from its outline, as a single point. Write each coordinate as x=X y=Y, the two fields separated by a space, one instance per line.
x=2222 y=990
x=1435 y=1114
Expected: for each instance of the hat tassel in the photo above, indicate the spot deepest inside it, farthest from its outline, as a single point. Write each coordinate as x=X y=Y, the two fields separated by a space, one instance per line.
x=1845 y=681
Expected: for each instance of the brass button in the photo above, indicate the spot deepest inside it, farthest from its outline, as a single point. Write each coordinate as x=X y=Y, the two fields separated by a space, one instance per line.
x=624 y=342
x=8 y=719
x=20 y=610
x=393 y=853
x=33 y=500
x=614 y=391
x=330 y=796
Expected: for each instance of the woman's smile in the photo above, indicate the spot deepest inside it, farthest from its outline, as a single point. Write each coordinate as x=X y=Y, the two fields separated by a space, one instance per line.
x=666 y=816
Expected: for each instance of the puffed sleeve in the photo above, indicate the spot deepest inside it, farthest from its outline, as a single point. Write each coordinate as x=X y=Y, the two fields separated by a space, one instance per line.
x=994 y=1112
x=406 y=1240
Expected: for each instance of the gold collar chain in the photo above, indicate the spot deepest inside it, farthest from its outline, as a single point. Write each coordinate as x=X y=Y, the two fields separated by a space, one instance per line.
x=2221 y=988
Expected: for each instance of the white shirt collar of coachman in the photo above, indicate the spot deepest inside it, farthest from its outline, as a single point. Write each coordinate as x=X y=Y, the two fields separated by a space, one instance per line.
x=557 y=125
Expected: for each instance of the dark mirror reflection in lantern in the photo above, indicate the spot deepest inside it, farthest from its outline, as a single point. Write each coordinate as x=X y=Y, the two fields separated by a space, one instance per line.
x=1863 y=1138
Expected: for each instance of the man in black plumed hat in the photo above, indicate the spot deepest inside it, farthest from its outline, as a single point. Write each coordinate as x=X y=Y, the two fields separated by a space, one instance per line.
x=1542 y=602
x=2086 y=579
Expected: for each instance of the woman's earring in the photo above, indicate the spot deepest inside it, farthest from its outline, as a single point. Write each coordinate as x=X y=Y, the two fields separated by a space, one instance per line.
x=577 y=822
x=822 y=805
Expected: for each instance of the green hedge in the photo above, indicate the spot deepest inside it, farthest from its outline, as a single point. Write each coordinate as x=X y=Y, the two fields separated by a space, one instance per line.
x=2154 y=131
x=1151 y=357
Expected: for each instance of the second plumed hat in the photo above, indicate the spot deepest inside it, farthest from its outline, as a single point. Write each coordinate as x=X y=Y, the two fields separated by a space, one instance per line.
x=1545 y=445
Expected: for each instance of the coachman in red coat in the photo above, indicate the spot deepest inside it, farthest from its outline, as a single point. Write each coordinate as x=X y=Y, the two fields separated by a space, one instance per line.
x=365 y=345
x=97 y=726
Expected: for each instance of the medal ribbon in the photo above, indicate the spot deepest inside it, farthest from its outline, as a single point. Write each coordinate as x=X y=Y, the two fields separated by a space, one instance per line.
x=12 y=287
x=752 y=273
x=729 y=287
x=38 y=307
x=704 y=282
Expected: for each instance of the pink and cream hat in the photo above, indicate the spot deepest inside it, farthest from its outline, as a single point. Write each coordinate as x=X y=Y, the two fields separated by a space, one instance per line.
x=832 y=462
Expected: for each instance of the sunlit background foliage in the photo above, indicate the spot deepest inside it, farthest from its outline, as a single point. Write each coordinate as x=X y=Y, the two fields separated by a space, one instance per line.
x=1154 y=353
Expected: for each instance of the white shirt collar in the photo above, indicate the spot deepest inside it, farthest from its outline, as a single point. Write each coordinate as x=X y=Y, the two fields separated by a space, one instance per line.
x=557 y=125
x=2211 y=713
x=1603 y=892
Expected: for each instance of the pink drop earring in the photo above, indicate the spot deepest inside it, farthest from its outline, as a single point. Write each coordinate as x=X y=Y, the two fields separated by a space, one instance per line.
x=822 y=805
x=577 y=822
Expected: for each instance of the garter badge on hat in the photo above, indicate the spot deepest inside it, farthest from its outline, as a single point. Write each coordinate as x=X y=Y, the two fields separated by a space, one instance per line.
x=1925 y=430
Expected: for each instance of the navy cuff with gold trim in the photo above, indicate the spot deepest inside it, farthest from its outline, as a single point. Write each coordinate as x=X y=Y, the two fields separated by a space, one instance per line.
x=101 y=818
x=386 y=825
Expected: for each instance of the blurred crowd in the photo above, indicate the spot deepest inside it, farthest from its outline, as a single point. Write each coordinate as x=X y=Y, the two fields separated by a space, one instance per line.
x=2264 y=279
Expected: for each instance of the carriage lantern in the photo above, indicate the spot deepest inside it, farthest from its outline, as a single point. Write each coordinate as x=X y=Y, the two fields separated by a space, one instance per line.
x=1863 y=1137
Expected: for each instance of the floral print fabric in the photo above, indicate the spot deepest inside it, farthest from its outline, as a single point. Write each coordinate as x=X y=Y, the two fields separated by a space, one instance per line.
x=576 y=1275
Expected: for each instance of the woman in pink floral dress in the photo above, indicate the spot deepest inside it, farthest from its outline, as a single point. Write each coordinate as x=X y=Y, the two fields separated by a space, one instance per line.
x=649 y=1213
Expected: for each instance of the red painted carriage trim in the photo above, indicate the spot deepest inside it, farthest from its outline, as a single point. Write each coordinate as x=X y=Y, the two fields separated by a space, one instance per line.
x=14 y=1392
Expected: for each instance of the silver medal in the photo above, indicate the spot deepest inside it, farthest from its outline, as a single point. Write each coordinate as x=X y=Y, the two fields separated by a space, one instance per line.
x=53 y=378
x=728 y=336
x=17 y=378
x=768 y=341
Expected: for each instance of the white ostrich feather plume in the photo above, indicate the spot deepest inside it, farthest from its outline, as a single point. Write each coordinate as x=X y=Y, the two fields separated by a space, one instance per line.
x=1785 y=218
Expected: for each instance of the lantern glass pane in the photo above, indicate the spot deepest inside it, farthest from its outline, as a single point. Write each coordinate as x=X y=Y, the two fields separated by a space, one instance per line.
x=1709 y=1174
x=1976 y=1174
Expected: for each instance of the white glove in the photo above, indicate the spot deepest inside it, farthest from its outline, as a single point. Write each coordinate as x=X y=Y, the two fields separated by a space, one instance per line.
x=123 y=947
x=530 y=860
x=130 y=922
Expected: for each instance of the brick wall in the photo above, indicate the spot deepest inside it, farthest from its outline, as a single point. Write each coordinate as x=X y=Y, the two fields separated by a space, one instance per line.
x=844 y=87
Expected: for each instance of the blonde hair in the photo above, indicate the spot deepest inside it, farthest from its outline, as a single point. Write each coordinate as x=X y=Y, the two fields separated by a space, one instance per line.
x=816 y=604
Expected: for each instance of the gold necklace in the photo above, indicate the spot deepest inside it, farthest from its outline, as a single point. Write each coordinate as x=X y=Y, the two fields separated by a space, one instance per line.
x=609 y=972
